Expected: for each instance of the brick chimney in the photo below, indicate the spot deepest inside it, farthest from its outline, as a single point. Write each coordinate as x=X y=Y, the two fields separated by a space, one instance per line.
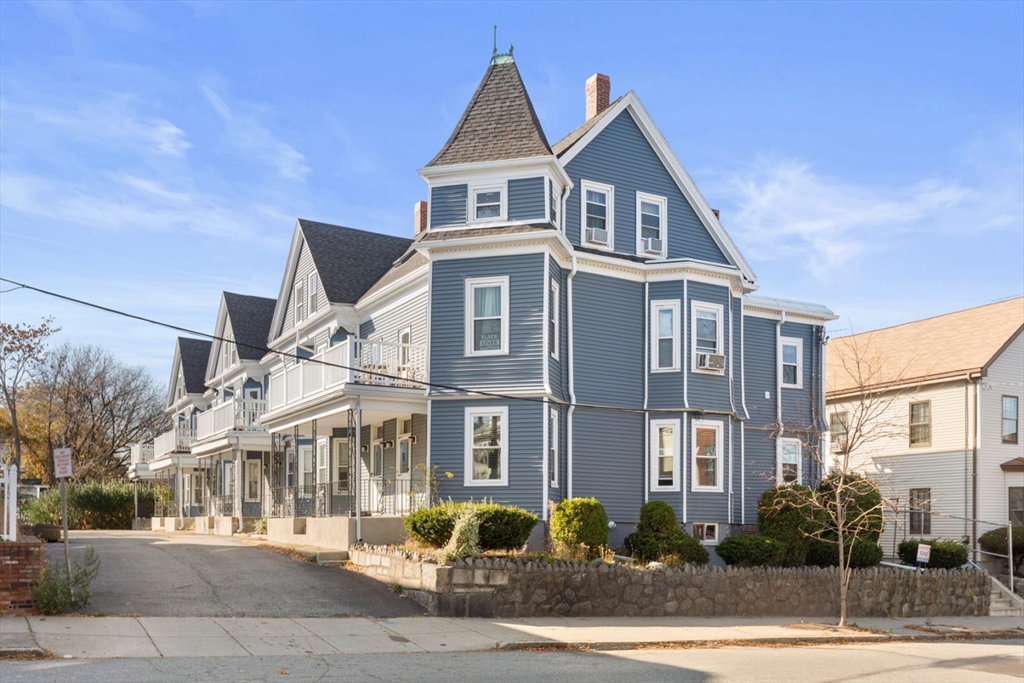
x=420 y=217
x=599 y=90
x=715 y=211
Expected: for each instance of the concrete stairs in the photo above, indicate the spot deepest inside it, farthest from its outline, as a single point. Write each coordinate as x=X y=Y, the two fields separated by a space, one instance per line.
x=332 y=558
x=1003 y=603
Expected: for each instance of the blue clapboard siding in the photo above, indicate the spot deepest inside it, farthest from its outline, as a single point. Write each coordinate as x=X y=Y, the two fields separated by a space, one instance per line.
x=760 y=464
x=759 y=359
x=525 y=458
x=665 y=389
x=796 y=403
x=561 y=491
x=557 y=369
x=608 y=461
x=707 y=390
x=448 y=205
x=608 y=335
x=621 y=156
x=303 y=269
x=522 y=367
x=526 y=199
x=385 y=325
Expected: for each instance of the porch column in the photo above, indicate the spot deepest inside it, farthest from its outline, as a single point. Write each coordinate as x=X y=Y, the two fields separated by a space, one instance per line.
x=297 y=459
x=237 y=493
x=359 y=470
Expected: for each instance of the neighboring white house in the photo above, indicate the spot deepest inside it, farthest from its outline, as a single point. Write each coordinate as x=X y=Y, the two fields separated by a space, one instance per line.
x=945 y=445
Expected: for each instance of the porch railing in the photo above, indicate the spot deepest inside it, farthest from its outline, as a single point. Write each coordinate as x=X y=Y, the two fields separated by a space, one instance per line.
x=234 y=415
x=378 y=496
x=173 y=440
x=358 y=361
x=222 y=506
x=142 y=452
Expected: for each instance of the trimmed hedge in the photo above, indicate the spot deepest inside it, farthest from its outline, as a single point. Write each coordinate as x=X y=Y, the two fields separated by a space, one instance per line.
x=659 y=538
x=780 y=517
x=657 y=515
x=752 y=551
x=580 y=522
x=865 y=553
x=945 y=554
x=91 y=505
x=502 y=527
x=995 y=542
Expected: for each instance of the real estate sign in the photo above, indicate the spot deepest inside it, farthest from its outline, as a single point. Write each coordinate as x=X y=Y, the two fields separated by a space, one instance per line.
x=924 y=553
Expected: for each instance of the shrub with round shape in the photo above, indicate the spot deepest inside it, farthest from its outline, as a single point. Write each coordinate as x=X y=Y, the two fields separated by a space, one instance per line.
x=995 y=542
x=783 y=517
x=865 y=553
x=752 y=551
x=657 y=515
x=945 y=554
x=580 y=522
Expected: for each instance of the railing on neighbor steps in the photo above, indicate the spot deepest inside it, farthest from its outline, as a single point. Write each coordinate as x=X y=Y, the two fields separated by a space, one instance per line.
x=222 y=506
x=234 y=415
x=378 y=496
x=358 y=361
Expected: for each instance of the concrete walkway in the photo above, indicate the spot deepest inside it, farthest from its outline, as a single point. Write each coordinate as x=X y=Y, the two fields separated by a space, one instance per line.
x=111 y=637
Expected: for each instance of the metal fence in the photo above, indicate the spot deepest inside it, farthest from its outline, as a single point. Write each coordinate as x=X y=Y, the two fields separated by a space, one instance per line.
x=222 y=506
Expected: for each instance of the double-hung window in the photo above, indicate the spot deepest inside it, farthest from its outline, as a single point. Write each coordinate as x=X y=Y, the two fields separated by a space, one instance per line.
x=300 y=302
x=791 y=360
x=252 y=479
x=664 y=455
x=838 y=429
x=404 y=340
x=707 y=456
x=229 y=353
x=553 y=447
x=706 y=327
x=306 y=471
x=488 y=203
x=665 y=336
x=788 y=464
x=323 y=461
x=377 y=461
x=651 y=219
x=487 y=316
x=921 y=511
x=553 y=314
x=597 y=211
x=341 y=464
x=312 y=289
x=486 y=461
x=404 y=456
x=1015 y=499
x=1010 y=419
x=921 y=423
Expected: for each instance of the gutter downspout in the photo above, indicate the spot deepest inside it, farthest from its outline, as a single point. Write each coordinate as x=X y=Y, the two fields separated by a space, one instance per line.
x=778 y=386
x=974 y=466
x=570 y=358
x=746 y=416
x=647 y=375
x=732 y=406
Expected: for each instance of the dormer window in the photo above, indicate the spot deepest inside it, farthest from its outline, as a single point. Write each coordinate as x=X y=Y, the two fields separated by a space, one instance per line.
x=488 y=203
x=651 y=213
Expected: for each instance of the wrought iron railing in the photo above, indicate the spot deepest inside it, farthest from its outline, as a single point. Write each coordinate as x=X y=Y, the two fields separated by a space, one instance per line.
x=378 y=496
x=222 y=506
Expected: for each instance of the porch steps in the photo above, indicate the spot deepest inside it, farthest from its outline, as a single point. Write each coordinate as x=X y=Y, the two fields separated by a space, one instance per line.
x=332 y=558
x=1003 y=603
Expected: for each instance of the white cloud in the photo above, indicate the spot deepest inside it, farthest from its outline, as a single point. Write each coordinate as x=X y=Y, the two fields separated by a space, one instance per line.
x=247 y=134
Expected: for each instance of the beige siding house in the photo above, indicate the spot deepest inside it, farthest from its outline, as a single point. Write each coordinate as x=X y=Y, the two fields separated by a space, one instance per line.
x=931 y=410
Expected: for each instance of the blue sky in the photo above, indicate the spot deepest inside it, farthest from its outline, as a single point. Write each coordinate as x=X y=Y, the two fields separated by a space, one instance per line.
x=866 y=156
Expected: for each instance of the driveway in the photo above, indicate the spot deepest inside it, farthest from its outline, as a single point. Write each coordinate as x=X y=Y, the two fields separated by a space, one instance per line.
x=154 y=574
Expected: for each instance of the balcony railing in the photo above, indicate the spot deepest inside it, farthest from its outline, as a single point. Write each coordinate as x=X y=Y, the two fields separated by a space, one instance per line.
x=235 y=415
x=173 y=441
x=355 y=361
x=141 y=452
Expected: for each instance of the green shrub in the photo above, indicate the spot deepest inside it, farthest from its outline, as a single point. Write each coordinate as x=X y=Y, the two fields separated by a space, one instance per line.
x=432 y=526
x=945 y=554
x=995 y=542
x=657 y=515
x=92 y=505
x=782 y=517
x=752 y=551
x=674 y=547
x=580 y=522
x=865 y=553
x=51 y=592
x=501 y=527
x=862 y=502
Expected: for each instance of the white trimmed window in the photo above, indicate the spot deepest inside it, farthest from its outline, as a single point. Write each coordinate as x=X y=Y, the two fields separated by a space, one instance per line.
x=664 y=455
x=838 y=428
x=706 y=532
x=377 y=461
x=553 y=447
x=341 y=465
x=707 y=456
x=597 y=213
x=791 y=362
x=553 y=312
x=665 y=336
x=487 y=316
x=651 y=219
x=229 y=352
x=486 y=462
x=305 y=471
x=921 y=423
x=253 y=480
x=788 y=462
x=706 y=329
x=487 y=203
x=300 y=302
x=312 y=289
x=404 y=457
x=404 y=339
x=323 y=461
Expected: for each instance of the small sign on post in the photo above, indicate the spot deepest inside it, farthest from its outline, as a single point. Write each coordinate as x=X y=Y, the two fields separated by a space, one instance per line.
x=62 y=470
x=62 y=463
x=924 y=553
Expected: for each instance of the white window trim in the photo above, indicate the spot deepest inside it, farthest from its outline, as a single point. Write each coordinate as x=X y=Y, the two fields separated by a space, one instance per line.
x=341 y=451
x=259 y=477
x=301 y=469
x=501 y=187
x=555 y=312
x=720 y=468
x=677 y=460
x=398 y=457
x=471 y=284
x=553 y=447
x=719 y=310
x=501 y=411
x=609 y=221
x=799 y=344
x=300 y=303
x=373 y=457
x=799 y=462
x=404 y=353
x=718 y=531
x=652 y=199
x=311 y=303
x=656 y=306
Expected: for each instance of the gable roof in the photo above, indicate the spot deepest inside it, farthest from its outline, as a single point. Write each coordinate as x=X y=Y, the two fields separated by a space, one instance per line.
x=499 y=122
x=950 y=345
x=563 y=145
x=250 y=323
x=404 y=266
x=193 y=355
x=350 y=261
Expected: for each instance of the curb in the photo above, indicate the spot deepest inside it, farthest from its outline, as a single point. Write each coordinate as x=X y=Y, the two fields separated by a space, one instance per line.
x=748 y=642
x=21 y=652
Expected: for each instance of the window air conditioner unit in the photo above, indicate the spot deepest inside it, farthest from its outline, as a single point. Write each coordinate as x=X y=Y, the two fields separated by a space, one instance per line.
x=710 y=361
x=652 y=245
x=597 y=235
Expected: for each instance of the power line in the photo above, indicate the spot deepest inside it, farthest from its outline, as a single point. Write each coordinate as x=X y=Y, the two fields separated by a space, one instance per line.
x=295 y=356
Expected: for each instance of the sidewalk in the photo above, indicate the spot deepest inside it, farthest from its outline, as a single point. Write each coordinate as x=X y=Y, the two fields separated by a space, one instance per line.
x=110 y=637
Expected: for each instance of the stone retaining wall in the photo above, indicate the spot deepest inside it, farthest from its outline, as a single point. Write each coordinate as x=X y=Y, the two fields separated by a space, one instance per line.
x=486 y=587
x=20 y=566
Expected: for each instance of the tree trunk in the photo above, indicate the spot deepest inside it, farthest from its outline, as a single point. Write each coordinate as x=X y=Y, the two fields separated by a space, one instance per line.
x=843 y=581
x=12 y=408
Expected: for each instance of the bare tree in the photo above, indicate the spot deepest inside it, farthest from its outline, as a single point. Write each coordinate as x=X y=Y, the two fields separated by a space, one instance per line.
x=22 y=346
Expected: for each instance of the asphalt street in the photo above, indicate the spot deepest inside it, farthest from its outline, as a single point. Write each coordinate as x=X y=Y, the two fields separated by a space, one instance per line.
x=156 y=574
x=947 y=662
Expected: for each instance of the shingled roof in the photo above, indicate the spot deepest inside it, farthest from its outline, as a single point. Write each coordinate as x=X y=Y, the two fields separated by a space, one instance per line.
x=950 y=345
x=499 y=122
x=349 y=261
x=251 y=317
x=563 y=145
x=194 y=354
